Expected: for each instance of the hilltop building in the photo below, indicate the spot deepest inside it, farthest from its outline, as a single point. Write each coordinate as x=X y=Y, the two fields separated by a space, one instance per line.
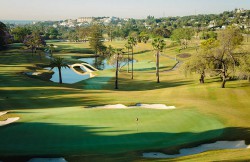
x=240 y=10
x=85 y=20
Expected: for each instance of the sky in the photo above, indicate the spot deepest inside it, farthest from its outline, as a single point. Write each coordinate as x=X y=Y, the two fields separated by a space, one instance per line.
x=72 y=9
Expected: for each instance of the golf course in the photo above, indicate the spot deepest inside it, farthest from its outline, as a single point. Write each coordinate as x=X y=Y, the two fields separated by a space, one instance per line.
x=59 y=120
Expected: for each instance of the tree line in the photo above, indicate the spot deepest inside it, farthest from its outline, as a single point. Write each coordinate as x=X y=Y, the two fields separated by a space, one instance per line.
x=216 y=56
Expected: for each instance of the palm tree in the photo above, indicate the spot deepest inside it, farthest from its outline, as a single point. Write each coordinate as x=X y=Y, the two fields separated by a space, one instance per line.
x=59 y=63
x=114 y=60
x=117 y=56
x=128 y=46
x=132 y=42
x=158 y=45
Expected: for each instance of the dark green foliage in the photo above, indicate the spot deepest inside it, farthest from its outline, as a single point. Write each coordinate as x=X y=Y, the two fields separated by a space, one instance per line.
x=34 y=41
x=4 y=36
x=20 y=33
x=209 y=34
x=96 y=39
x=162 y=32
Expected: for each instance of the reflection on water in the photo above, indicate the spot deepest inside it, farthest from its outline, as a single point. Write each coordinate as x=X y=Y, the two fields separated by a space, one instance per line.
x=68 y=76
x=98 y=62
x=101 y=63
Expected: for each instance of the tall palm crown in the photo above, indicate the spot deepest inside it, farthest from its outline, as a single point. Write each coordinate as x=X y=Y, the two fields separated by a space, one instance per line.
x=132 y=42
x=158 y=45
x=128 y=47
x=59 y=63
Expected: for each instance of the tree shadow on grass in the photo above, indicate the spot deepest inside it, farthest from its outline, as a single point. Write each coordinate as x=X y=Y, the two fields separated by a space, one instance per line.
x=141 y=52
x=19 y=93
x=44 y=98
x=152 y=68
x=144 y=85
x=81 y=142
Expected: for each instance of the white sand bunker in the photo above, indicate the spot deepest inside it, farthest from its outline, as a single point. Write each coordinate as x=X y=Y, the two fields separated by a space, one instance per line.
x=34 y=73
x=202 y=148
x=8 y=121
x=117 y=106
x=47 y=160
x=3 y=113
x=155 y=106
x=151 y=106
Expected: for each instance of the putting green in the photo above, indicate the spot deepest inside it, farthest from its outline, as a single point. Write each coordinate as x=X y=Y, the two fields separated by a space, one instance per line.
x=75 y=130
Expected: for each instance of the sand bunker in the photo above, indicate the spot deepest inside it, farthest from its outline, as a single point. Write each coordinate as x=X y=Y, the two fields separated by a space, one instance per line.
x=117 y=106
x=47 y=160
x=151 y=106
x=8 y=121
x=33 y=73
x=3 y=113
x=202 y=148
x=155 y=106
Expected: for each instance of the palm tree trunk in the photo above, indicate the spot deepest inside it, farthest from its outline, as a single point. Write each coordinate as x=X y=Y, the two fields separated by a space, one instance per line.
x=157 y=68
x=128 y=62
x=116 y=75
x=132 y=63
x=60 y=75
x=224 y=78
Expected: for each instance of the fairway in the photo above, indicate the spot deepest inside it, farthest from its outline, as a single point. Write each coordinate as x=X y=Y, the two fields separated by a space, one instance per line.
x=55 y=119
x=75 y=130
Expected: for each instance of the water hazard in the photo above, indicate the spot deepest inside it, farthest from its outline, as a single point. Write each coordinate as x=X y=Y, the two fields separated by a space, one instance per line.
x=69 y=76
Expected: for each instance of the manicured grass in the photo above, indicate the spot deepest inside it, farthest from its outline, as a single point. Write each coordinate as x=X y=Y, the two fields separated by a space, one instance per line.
x=75 y=130
x=54 y=113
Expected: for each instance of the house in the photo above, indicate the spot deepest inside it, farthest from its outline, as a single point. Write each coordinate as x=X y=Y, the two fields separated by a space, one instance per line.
x=85 y=20
x=212 y=24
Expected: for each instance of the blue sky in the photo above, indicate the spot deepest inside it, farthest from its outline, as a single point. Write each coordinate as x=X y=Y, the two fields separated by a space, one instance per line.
x=65 y=9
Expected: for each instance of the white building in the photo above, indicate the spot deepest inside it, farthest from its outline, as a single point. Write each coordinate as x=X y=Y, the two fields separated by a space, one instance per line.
x=240 y=10
x=212 y=24
x=85 y=19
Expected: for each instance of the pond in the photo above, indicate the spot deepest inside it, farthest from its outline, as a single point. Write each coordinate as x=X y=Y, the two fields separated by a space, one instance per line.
x=69 y=76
